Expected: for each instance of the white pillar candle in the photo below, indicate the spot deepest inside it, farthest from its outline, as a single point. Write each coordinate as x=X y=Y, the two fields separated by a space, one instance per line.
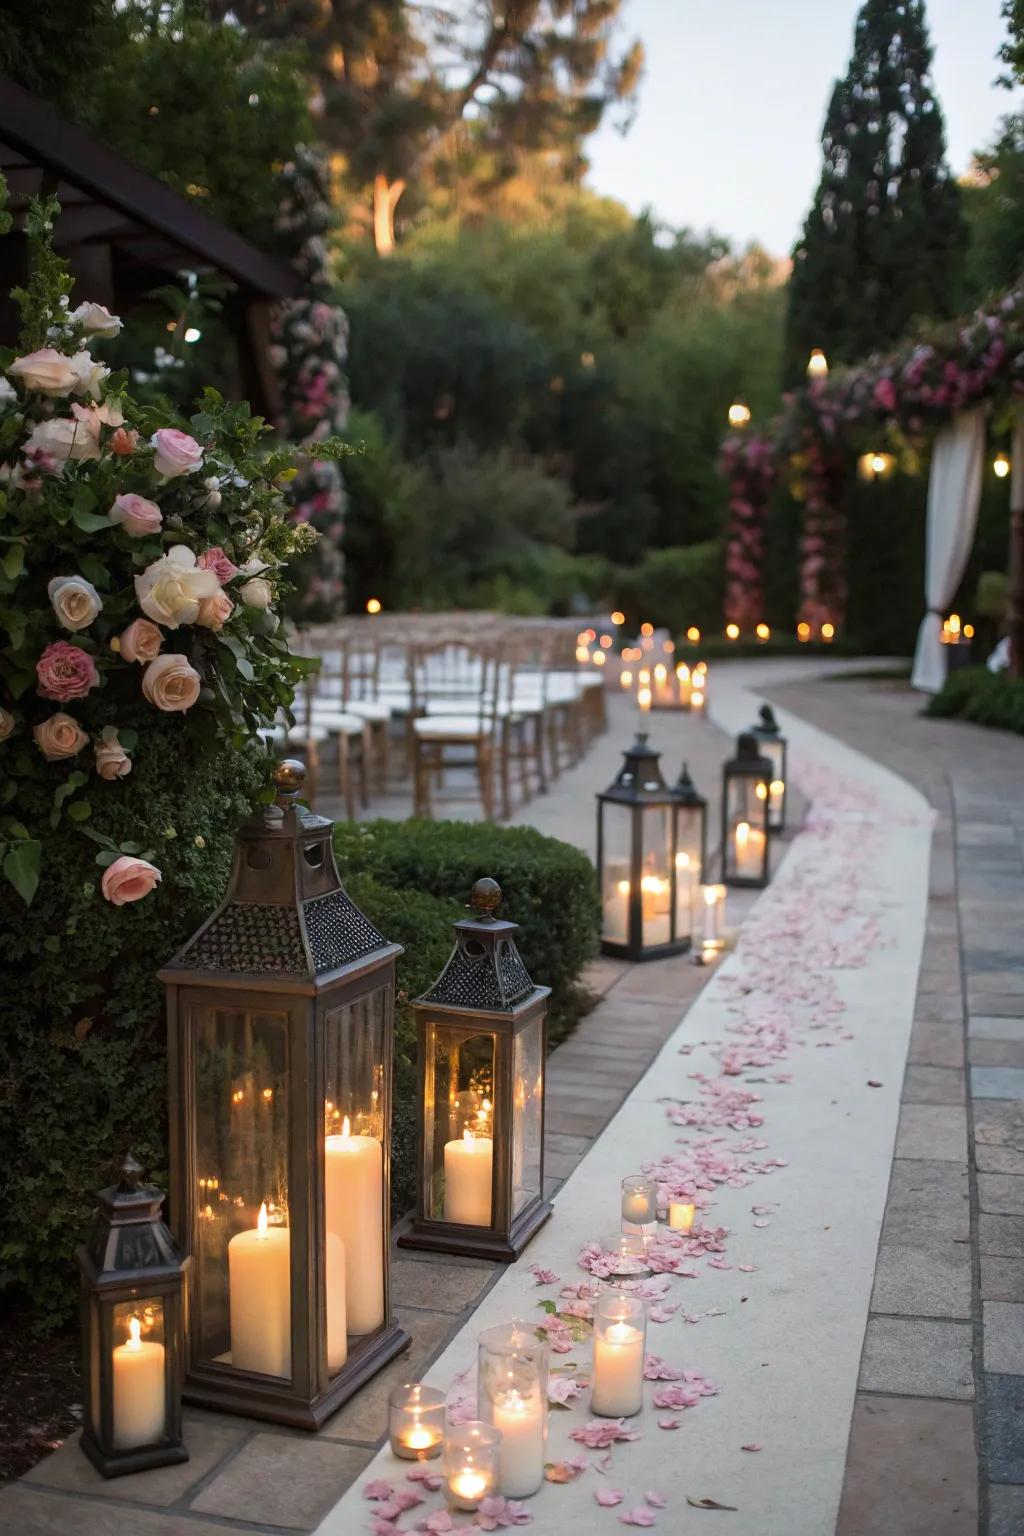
x=139 y=1391
x=617 y=1388
x=749 y=842
x=354 y=1200
x=680 y=1215
x=259 y=1284
x=337 y=1323
x=521 y=1453
x=467 y=1180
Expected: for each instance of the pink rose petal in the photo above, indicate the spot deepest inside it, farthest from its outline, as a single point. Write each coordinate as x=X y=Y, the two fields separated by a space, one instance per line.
x=608 y=1497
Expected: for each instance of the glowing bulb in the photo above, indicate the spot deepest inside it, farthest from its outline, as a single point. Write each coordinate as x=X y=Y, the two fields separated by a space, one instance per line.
x=373 y=605
x=762 y=632
x=954 y=623
x=739 y=414
x=732 y=631
x=968 y=631
x=618 y=617
x=1001 y=466
x=803 y=631
x=878 y=463
x=192 y=334
x=817 y=364
x=693 y=635
x=827 y=631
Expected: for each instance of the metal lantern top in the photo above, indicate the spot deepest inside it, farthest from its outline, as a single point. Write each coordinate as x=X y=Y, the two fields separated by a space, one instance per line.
x=748 y=761
x=639 y=780
x=686 y=791
x=767 y=727
x=128 y=1242
x=286 y=913
x=485 y=971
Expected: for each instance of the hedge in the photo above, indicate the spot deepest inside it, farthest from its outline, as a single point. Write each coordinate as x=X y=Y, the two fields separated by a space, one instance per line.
x=987 y=698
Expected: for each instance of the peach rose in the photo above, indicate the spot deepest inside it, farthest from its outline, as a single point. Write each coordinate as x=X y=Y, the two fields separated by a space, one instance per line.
x=215 y=611
x=170 y=683
x=6 y=723
x=112 y=761
x=128 y=879
x=46 y=371
x=175 y=453
x=59 y=737
x=123 y=442
x=141 y=641
x=136 y=515
x=75 y=601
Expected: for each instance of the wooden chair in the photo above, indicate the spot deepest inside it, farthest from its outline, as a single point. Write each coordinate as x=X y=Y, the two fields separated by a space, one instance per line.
x=455 y=709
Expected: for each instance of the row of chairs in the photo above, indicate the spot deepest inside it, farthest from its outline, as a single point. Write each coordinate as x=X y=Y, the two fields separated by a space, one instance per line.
x=415 y=696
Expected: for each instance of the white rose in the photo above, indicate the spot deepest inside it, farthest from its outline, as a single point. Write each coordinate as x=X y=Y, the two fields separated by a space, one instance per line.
x=65 y=438
x=257 y=593
x=89 y=375
x=75 y=601
x=46 y=371
x=96 y=320
x=171 y=589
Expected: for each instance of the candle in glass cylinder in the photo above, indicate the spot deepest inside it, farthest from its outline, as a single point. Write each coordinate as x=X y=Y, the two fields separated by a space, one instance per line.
x=520 y=1418
x=259 y=1286
x=416 y=1417
x=680 y=1215
x=749 y=844
x=617 y=1383
x=139 y=1390
x=354 y=1206
x=467 y=1180
x=639 y=1203
x=471 y=1464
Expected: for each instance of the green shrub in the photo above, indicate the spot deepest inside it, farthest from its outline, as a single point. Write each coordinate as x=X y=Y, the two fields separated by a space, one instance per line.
x=673 y=587
x=549 y=889
x=987 y=698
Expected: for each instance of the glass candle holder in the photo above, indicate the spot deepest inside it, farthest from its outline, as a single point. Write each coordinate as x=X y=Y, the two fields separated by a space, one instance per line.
x=625 y=1253
x=639 y=1203
x=681 y=1215
x=471 y=1454
x=617 y=1378
x=416 y=1417
x=512 y=1395
x=714 y=916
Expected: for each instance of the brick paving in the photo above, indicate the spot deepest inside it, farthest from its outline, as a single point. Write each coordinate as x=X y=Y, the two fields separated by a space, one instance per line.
x=937 y=1440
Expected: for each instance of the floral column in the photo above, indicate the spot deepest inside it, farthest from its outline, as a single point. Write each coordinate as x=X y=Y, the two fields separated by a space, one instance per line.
x=748 y=464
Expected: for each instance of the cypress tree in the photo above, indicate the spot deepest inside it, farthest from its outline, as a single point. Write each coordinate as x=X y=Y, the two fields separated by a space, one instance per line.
x=884 y=242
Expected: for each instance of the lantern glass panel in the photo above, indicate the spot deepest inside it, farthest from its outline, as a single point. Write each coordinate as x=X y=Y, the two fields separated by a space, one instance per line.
x=528 y=1115
x=459 y=1124
x=95 y=1346
x=139 y=1373
x=655 y=877
x=746 y=827
x=617 y=850
x=354 y=1215
x=243 y=1312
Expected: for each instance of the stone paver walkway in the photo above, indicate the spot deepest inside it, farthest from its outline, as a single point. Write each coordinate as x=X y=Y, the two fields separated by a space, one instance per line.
x=250 y=1478
x=937 y=1441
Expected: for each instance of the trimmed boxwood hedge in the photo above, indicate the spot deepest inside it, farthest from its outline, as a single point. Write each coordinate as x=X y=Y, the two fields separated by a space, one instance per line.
x=987 y=698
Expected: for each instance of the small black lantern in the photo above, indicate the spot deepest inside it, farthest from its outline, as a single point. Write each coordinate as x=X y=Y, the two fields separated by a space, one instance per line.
x=281 y=1029
x=645 y=906
x=481 y=1033
x=745 y=835
x=133 y=1282
x=772 y=745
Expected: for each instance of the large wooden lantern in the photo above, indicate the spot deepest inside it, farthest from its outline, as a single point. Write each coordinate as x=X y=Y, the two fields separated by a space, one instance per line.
x=481 y=1034
x=745 y=835
x=133 y=1281
x=772 y=745
x=281 y=1020
x=645 y=906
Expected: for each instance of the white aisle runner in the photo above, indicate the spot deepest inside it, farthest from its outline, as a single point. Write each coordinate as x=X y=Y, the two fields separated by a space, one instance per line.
x=804 y=1029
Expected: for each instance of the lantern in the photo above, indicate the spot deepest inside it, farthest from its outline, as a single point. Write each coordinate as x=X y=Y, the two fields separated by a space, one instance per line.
x=691 y=828
x=745 y=781
x=132 y=1331
x=281 y=1023
x=645 y=907
x=481 y=1035
x=772 y=744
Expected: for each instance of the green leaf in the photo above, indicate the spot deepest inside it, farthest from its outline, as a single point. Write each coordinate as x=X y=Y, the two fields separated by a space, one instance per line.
x=14 y=562
x=105 y=859
x=80 y=810
x=129 y=739
x=101 y=838
x=89 y=522
x=21 y=867
x=94 y=570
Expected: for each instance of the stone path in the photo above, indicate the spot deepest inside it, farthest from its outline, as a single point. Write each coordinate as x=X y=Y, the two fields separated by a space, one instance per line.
x=251 y=1478
x=937 y=1442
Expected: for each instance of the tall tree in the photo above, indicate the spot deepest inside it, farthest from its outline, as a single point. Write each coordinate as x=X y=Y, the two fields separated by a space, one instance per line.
x=885 y=239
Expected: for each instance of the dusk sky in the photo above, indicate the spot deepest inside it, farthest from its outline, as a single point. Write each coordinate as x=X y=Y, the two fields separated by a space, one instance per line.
x=727 y=134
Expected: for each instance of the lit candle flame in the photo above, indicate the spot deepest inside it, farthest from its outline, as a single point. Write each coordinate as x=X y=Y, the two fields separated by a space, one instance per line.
x=262 y=1220
x=346 y=1128
x=135 y=1334
x=742 y=834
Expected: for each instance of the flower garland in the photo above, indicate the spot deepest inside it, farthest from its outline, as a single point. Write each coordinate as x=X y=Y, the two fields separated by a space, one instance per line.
x=309 y=352
x=140 y=568
x=819 y=477
x=748 y=464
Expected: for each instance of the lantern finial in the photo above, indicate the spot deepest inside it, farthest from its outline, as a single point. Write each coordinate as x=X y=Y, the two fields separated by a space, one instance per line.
x=485 y=899
x=129 y=1174
x=289 y=776
x=768 y=720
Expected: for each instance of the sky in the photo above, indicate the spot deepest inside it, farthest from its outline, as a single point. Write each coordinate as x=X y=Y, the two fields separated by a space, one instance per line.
x=727 y=134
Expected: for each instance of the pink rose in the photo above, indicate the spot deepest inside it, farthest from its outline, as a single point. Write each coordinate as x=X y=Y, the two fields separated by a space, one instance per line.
x=884 y=394
x=215 y=611
x=141 y=641
x=175 y=452
x=215 y=560
x=112 y=761
x=170 y=683
x=65 y=672
x=58 y=737
x=128 y=880
x=136 y=515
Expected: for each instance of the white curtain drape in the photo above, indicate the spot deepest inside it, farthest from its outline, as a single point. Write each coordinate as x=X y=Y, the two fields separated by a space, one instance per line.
x=954 y=491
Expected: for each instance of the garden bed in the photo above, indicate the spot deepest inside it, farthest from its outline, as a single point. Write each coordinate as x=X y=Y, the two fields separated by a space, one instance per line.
x=986 y=698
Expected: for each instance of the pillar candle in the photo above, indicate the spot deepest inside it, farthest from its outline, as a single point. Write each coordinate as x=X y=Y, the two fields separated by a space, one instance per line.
x=685 y=685
x=354 y=1200
x=776 y=790
x=467 y=1180
x=749 y=850
x=521 y=1454
x=617 y=1389
x=259 y=1284
x=139 y=1391
x=337 y=1322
